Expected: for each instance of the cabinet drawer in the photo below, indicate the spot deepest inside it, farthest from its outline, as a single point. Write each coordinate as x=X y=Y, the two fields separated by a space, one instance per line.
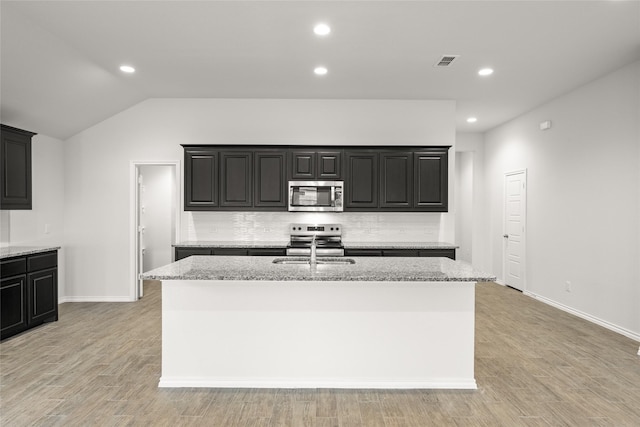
x=230 y=251
x=444 y=253
x=362 y=252
x=187 y=252
x=268 y=252
x=400 y=252
x=13 y=267
x=42 y=261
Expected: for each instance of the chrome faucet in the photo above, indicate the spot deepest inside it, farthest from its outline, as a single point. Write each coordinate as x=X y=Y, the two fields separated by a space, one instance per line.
x=312 y=261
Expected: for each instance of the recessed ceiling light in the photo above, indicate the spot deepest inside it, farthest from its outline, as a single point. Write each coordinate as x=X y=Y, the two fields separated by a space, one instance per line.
x=485 y=72
x=320 y=71
x=127 y=69
x=322 y=29
x=472 y=120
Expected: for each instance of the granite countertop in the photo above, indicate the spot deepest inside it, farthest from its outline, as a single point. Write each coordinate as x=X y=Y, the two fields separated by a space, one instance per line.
x=12 y=251
x=370 y=269
x=347 y=245
x=231 y=244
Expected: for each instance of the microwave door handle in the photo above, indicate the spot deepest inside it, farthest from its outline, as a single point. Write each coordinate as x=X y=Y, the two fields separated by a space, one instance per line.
x=333 y=195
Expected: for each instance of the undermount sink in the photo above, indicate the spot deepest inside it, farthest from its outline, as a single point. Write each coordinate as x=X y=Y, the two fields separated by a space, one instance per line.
x=323 y=261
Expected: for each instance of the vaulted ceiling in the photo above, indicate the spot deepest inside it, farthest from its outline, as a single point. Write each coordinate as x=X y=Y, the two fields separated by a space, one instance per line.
x=60 y=59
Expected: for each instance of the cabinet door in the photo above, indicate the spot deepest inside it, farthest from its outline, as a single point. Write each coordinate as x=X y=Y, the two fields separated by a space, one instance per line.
x=200 y=179
x=270 y=180
x=235 y=179
x=43 y=296
x=396 y=180
x=15 y=169
x=431 y=181
x=303 y=165
x=329 y=165
x=361 y=181
x=13 y=305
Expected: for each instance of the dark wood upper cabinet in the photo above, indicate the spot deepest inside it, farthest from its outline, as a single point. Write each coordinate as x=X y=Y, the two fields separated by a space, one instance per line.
x=200 y=179
x=396 y=180
x=431 y=180
x=303 y=165
x=329 y=165
x=241 y=178
x=270 y=182
x=236 y=171
x=361 y=180
x=309 y=165
x=15 y=168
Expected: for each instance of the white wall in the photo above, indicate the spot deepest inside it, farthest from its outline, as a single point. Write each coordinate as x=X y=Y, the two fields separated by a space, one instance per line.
x=583 y=199
x=97 y=186
x=43 y=225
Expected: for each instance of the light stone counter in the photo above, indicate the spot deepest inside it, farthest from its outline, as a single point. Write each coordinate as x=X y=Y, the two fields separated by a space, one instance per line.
x=231 y=244
x=13 y=251
x=365 y=269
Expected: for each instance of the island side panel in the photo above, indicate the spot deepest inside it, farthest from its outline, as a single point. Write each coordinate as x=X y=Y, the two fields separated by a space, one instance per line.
x=318 y=334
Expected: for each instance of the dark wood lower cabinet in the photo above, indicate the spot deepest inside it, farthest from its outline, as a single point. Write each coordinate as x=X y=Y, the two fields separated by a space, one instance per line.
x=181 y=253
x=363 y=252
x=267 y=252
x=43 y=295
x=444 y=253
x=28 y=292
x=13 y=305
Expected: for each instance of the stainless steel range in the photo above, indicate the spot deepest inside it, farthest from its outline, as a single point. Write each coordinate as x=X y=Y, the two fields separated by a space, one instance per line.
x=326 y=239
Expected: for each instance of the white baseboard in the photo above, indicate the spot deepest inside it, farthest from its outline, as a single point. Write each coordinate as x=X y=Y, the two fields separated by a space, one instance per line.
x=612 y=327
x=94 y=299
x=204 y=382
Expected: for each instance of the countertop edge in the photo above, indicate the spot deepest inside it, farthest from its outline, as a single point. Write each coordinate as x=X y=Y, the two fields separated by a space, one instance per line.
x=16 y=251
x=347 y=245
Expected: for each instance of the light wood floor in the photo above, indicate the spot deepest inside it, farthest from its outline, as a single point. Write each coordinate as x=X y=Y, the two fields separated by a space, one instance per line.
x=535 y=366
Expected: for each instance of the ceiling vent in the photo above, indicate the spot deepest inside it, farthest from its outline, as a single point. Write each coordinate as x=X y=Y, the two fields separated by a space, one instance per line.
x=446 y=60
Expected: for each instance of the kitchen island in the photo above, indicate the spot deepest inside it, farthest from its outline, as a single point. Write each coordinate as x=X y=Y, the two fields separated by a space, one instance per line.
x=378 y=323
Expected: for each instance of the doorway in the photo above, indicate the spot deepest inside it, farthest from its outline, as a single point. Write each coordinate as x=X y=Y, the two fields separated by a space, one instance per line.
x=515 y=219
x=155 y=218
x=464 y=223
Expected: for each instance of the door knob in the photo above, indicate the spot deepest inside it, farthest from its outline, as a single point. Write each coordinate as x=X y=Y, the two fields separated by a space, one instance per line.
x=506 y=236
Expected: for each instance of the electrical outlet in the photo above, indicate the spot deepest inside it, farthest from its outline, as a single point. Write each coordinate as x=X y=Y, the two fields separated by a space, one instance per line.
x=567 y=286
x=46 y=229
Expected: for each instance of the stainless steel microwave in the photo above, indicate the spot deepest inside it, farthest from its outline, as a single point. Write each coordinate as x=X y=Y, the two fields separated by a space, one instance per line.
x=316 y=196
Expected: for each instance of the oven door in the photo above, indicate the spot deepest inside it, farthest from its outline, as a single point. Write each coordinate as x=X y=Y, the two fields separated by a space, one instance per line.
x=313 y=196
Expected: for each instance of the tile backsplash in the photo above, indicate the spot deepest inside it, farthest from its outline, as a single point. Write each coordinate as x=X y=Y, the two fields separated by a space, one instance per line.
x=357 y=227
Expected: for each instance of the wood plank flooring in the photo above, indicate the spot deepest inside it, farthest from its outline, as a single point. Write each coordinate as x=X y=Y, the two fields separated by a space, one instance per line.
x=99 y=365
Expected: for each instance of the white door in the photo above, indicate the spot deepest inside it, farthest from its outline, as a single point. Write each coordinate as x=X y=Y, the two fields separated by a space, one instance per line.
x=515 y=210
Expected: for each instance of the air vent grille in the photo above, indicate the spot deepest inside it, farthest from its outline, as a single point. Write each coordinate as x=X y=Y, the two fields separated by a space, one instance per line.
x=446 y=60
